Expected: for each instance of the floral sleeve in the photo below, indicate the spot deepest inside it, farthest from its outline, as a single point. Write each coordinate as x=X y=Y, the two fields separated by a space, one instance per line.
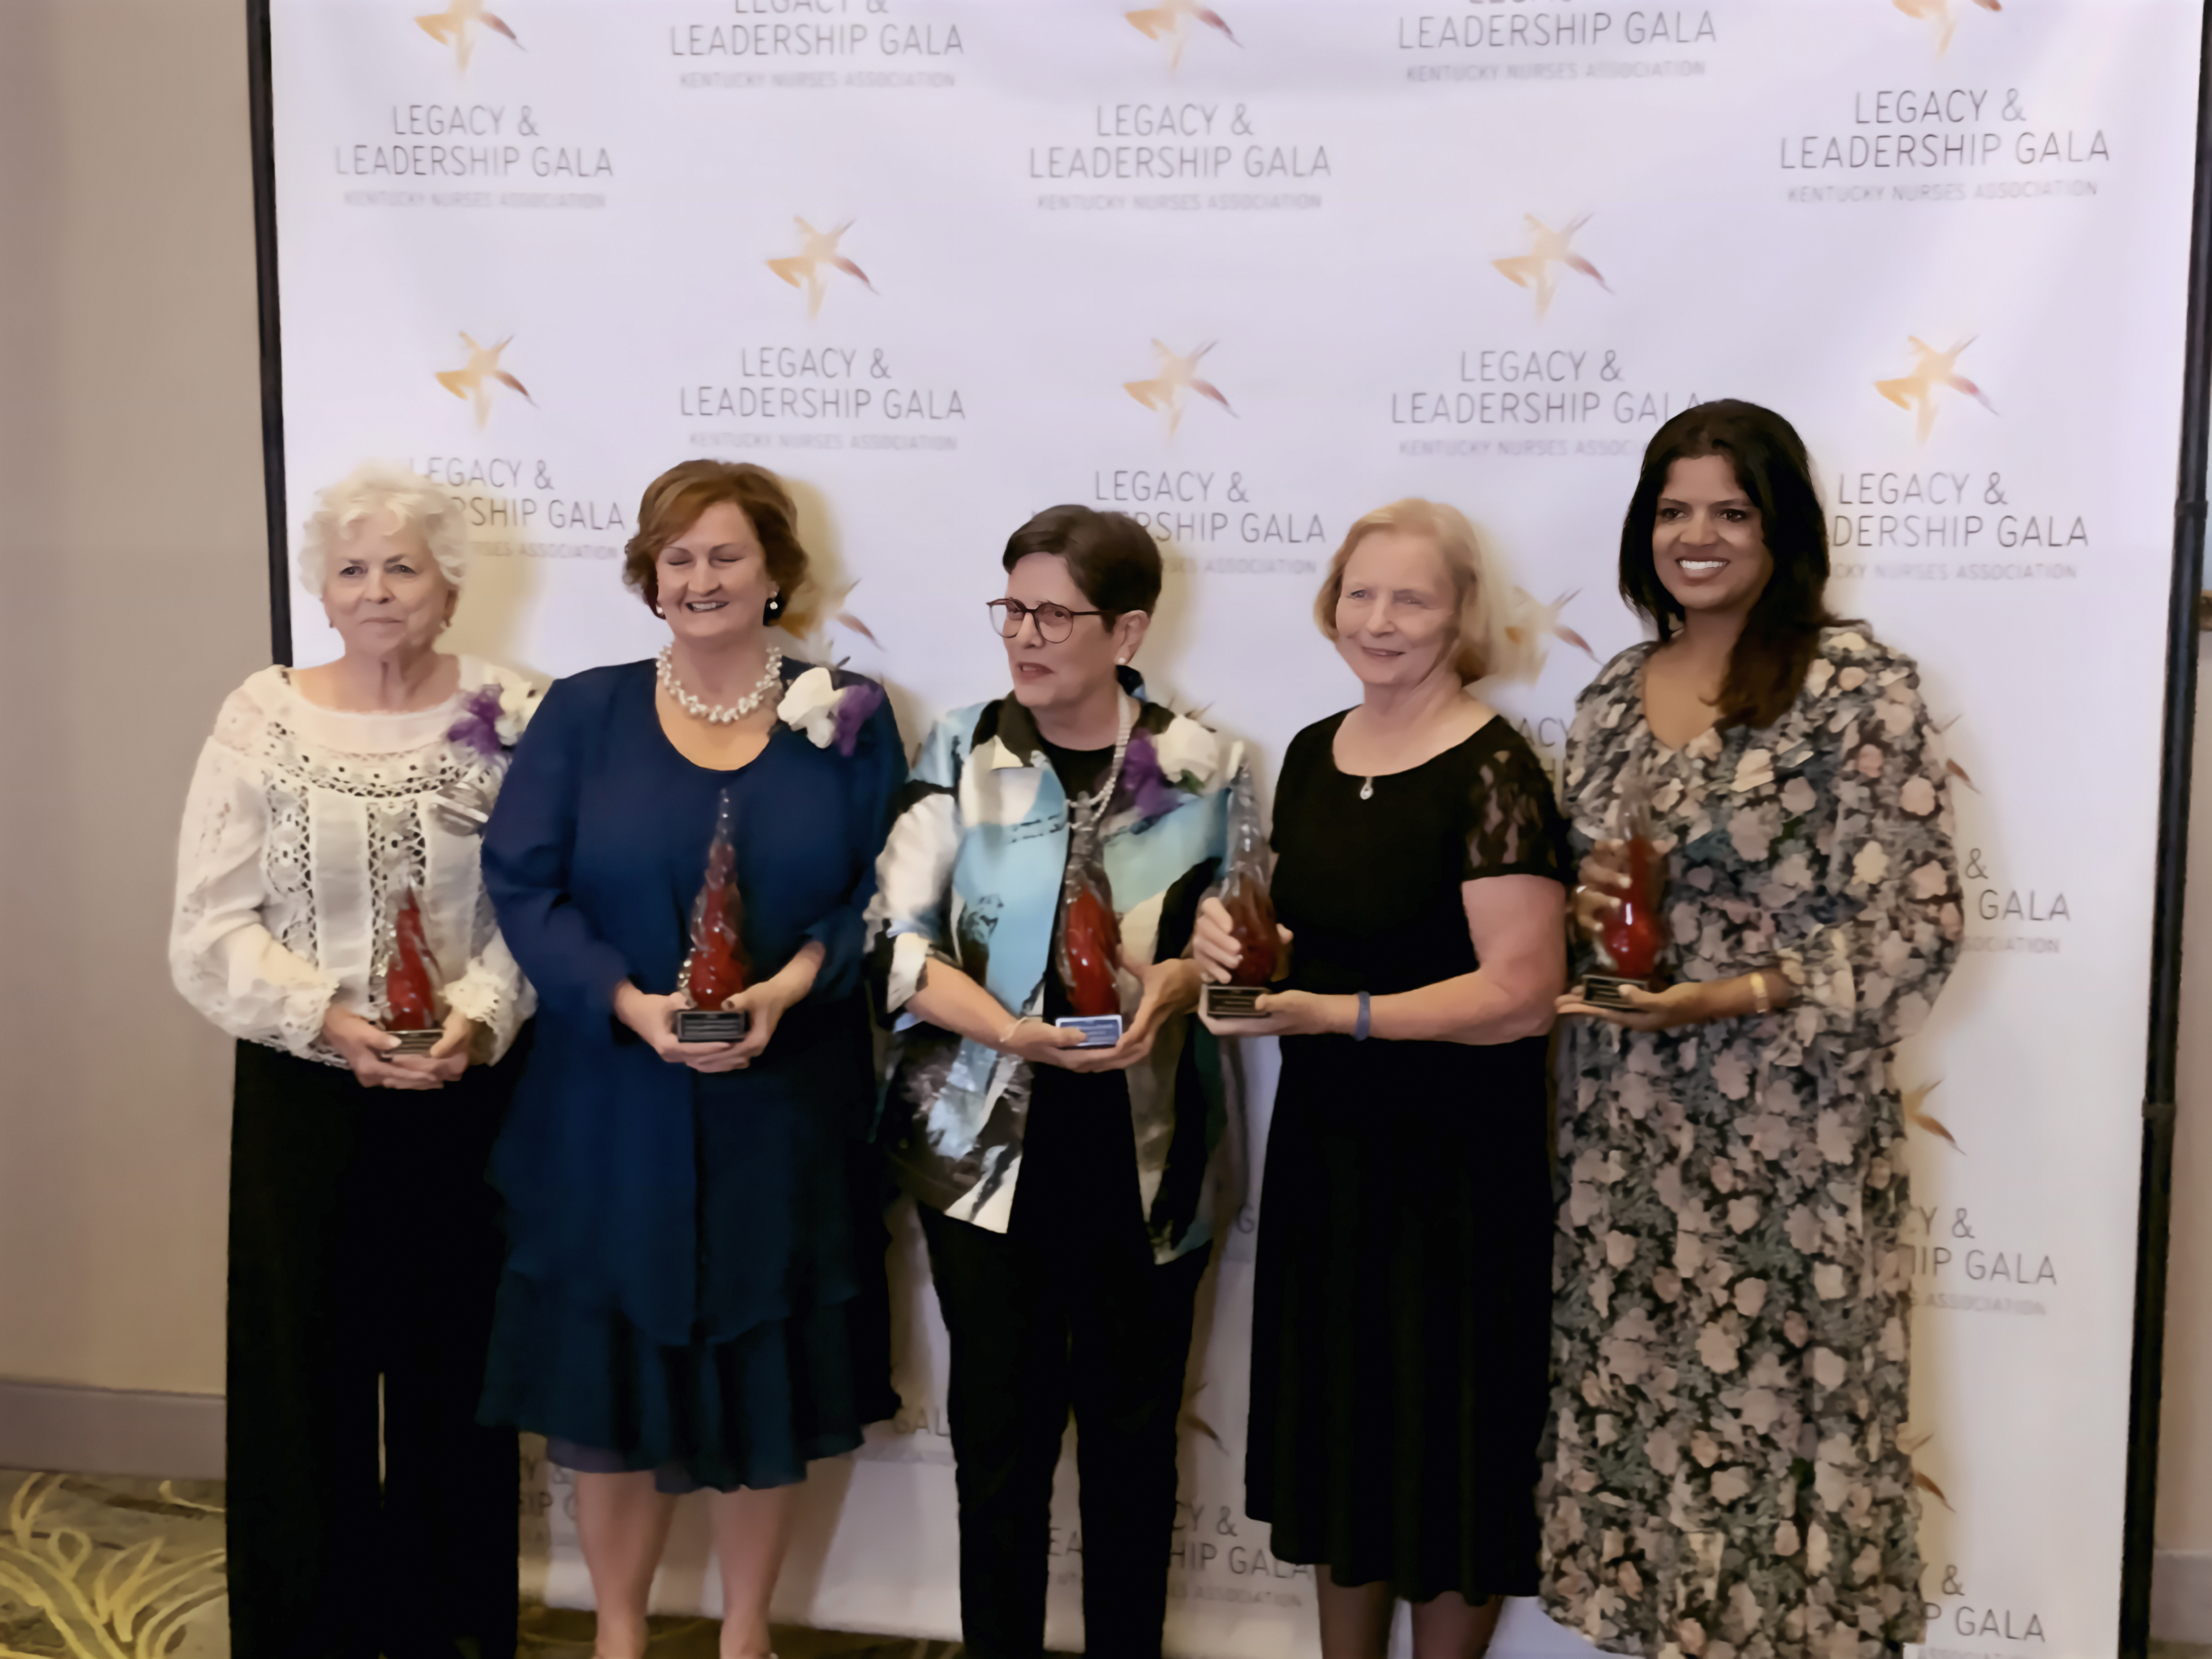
x=1866 y=907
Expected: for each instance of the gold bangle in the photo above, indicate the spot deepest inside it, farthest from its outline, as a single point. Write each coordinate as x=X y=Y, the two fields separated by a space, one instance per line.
x=1759 y=1001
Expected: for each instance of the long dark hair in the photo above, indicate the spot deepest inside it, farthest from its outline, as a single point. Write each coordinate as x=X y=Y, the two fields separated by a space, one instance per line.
x=1766 y=669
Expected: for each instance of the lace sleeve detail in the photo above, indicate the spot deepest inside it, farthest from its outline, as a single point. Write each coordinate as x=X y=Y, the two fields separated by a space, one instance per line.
x=494 y=993
x=1514 y=827
x=222 y=957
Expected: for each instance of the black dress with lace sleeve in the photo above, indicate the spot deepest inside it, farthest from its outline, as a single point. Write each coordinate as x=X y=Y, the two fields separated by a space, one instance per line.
x=1402 y=1298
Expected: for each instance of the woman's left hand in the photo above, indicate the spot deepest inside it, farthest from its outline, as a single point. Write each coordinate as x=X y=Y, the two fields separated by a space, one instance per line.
x=449 y=1057
x=1685 y=1003
x=764 y=1004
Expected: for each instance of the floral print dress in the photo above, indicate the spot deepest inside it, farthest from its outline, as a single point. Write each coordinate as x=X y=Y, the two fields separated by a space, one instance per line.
x=1723 y=1475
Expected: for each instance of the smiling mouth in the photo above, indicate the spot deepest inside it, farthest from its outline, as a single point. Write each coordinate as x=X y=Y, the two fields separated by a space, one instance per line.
x=1701 y=567
x=704 y=605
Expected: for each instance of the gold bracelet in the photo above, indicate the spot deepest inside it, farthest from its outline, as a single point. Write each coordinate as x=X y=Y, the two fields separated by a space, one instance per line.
x=1759 y=1001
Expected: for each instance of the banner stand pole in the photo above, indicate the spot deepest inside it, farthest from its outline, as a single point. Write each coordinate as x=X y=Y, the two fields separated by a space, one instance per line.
x=2177 y=747
x=261 y=113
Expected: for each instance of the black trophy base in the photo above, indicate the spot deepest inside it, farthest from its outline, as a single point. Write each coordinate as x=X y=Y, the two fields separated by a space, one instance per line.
x=1604 y=990
x=1099 y=1030
x=414 y=1042
x=1234 y=1001
x=712 y=1024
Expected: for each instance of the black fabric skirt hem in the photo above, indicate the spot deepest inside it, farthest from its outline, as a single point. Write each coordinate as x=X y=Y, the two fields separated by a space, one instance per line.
x=1352 y=1572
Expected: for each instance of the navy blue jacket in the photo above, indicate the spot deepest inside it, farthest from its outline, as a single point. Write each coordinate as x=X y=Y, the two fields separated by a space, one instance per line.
x=698 y=1206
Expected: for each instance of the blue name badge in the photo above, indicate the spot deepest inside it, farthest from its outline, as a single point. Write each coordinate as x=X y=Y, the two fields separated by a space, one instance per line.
x=1099 y=1030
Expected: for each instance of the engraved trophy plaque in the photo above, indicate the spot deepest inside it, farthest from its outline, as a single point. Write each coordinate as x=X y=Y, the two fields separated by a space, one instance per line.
x=411 y=999
x=716 y=969
x=1251 y=913
x=1089 y=949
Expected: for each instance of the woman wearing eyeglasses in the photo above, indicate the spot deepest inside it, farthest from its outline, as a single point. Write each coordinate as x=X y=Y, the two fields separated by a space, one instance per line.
x=1065 y=1190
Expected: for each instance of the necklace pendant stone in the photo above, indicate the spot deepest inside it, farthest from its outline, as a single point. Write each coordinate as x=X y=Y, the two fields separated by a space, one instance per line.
x=1367 y=789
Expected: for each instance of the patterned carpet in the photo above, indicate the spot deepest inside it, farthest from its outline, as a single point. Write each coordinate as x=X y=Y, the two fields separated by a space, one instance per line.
x=106 y=1567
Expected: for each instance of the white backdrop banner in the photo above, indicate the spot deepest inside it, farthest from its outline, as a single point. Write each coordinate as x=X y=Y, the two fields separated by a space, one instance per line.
x=1247 y=272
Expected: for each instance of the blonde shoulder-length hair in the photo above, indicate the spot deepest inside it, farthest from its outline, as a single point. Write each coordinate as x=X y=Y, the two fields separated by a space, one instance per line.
x=1493 y=642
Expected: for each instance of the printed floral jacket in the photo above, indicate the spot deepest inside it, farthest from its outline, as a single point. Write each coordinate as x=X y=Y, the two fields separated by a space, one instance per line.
x=971 y=875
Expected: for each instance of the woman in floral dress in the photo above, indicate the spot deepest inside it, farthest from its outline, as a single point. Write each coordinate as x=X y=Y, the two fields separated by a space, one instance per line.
x=1723 y=1474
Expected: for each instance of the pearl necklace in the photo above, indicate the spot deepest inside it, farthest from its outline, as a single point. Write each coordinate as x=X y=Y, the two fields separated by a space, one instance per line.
x=1086 y=811
x=715 y=713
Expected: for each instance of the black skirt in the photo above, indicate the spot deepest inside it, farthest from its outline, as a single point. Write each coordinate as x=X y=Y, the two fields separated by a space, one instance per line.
x=1401 y=1315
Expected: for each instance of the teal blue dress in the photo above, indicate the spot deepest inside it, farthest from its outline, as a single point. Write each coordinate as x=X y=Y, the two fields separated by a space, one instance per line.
x=694 y=1282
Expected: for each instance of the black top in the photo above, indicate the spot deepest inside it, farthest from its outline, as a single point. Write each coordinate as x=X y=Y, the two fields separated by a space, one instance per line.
x=1370 y=888
x=1078 y=1182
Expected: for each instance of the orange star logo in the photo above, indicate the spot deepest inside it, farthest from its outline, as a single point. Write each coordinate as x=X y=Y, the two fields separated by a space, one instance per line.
x=1546 y=248
x=1170 y=21
x=1931 y=369
x=1944 y=14
x=473 y=379
x=1178 y=376
x=817 y=249
x=453 y=27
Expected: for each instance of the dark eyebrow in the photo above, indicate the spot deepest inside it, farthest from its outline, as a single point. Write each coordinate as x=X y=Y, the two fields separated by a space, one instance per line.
x=1727 y=501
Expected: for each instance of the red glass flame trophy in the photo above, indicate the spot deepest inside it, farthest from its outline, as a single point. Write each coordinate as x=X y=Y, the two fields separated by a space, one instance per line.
x=1089 y=951
x=716 y=969
x=1628 y=937
x=1251 y=913
x=411 y=977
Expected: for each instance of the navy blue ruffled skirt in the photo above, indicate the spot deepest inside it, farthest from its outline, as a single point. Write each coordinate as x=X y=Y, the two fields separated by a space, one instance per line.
x=786 y=1205
x=752 y=1411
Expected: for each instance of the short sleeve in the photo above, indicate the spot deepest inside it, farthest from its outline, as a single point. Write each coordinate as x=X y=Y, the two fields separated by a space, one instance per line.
x=1513 y=824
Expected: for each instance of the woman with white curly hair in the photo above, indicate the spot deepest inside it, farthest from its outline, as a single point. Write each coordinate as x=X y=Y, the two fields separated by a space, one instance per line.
x=329 y=858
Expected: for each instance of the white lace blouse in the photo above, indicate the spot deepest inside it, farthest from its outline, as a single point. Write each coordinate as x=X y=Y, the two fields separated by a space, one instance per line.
x=303 y=829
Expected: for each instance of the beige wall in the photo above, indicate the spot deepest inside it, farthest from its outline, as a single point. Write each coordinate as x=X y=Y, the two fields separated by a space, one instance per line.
x=131 y=598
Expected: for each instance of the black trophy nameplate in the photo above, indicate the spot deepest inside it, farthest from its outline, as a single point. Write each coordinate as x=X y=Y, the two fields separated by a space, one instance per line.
x=1604 y=990
x=712 y=1024
x=1234 y=1001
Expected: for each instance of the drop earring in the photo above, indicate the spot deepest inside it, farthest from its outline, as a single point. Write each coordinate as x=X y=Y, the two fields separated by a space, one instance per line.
x=773 y=608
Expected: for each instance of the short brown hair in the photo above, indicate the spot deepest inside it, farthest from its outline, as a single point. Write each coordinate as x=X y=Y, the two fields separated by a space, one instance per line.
x=1111 y=556
x=673 y=501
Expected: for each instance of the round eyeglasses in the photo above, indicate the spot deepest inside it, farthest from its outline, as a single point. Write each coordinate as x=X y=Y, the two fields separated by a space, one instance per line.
x=1055 y=622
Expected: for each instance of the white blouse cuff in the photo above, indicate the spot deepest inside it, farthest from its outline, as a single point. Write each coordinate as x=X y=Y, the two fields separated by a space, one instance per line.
x=300 y=1017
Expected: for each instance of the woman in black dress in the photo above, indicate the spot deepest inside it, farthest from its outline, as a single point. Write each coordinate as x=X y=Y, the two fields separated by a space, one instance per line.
x=1403 y=1294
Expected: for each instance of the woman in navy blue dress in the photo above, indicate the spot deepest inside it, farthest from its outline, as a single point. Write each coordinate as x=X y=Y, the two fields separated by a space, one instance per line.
x=693 y=1296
